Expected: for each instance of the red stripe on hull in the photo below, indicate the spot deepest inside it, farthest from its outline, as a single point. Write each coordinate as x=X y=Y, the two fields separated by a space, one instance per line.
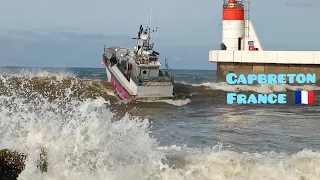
x=120 y=89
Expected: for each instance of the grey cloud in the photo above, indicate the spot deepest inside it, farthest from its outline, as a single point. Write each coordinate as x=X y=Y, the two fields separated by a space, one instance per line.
x=46 y=48
x=75 y=11
x=60 y=35
x=84 y=50
x=301 y=3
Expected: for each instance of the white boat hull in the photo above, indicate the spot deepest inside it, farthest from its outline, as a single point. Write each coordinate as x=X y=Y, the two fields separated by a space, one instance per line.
x=108 y=75
x=129 y=90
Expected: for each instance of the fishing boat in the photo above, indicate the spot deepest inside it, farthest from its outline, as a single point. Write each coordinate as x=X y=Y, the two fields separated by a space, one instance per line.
x=135 y=72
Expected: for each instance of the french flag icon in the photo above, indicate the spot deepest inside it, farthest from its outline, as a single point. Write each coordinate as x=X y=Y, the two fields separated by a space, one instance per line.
x=304 y=97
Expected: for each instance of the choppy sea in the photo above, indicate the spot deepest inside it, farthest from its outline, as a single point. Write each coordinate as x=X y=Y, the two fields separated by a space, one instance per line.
x=88 y=134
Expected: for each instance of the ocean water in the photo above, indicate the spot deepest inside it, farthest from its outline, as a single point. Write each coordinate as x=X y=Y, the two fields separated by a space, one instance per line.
x=88 y=134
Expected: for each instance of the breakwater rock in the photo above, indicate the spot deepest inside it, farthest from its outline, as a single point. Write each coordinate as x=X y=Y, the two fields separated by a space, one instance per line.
x=12 y=163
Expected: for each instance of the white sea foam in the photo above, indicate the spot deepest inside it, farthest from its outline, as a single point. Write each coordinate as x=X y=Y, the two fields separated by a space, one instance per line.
x=176 y=102
x=81 y=140
x=36 y=72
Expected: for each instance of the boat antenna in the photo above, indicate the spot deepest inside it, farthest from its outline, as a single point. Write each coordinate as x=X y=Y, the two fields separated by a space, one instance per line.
x=150 y=17
x=147 y=18
x=155 y=25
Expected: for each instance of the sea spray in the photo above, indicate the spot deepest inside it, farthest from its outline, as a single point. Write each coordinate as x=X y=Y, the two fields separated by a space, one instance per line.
x=79 y=136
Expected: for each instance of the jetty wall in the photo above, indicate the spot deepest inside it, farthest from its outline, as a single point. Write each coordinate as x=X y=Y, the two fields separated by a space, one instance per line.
x=265 y=62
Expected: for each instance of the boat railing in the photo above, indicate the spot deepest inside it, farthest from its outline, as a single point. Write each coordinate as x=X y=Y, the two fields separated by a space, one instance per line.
x=168 y=71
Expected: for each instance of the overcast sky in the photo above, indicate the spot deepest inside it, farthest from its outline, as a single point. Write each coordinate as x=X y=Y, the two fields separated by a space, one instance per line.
x=71 y=33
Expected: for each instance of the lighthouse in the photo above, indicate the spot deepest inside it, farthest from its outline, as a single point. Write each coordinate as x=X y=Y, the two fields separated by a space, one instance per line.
x=241 y=50
x=233 y=25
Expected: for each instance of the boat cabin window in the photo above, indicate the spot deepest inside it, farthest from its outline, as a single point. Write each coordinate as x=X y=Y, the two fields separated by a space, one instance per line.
x=148 y=73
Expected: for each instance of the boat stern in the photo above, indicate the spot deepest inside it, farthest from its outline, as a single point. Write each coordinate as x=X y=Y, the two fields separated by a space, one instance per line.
x=155 y=89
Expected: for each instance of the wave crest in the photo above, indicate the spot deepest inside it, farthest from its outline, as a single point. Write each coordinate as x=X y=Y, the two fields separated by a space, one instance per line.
x=53 y=87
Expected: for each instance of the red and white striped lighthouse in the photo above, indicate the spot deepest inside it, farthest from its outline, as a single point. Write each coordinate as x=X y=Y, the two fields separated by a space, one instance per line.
x=233 y=23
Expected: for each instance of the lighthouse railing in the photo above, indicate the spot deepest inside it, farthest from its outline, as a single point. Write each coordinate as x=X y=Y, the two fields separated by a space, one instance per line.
x=239 y=4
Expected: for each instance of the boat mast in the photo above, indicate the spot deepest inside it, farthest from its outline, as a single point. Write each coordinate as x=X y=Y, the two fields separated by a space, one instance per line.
x=148 y=42
x=144 y=41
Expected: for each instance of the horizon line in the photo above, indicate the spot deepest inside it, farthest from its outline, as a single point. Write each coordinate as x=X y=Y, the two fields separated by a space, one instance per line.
x=4 y=66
